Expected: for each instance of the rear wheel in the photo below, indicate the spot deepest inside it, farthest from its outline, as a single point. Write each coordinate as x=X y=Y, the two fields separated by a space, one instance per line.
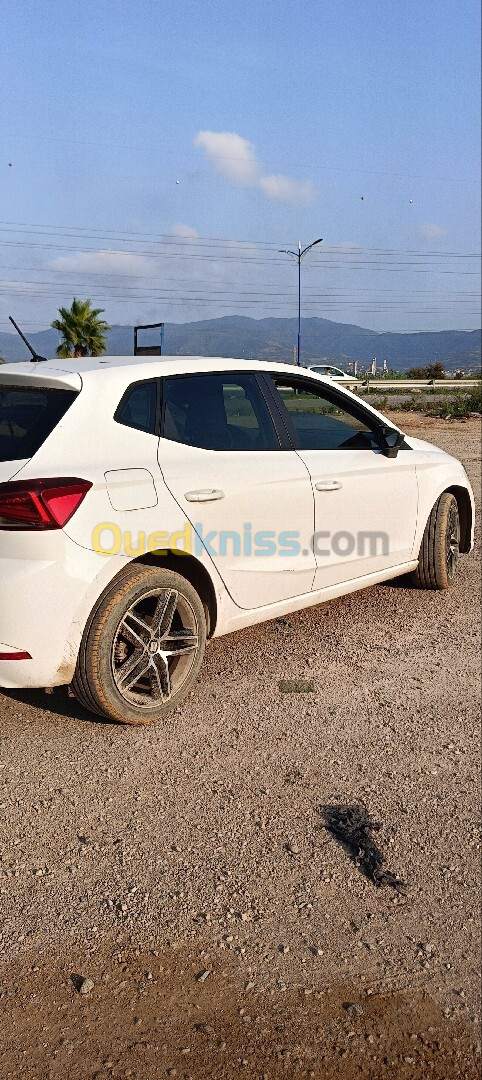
x=142 y=648
x=439 y=551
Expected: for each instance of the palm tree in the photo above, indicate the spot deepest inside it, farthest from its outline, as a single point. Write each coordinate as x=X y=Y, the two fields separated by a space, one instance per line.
x=83 y=333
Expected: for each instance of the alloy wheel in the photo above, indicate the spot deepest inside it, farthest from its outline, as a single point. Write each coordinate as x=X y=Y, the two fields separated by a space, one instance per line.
x=452 y=541
x=154 y=648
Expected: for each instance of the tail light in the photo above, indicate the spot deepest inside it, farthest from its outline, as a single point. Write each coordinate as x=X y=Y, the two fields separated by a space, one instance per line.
x=41 y=504
x=15 y=656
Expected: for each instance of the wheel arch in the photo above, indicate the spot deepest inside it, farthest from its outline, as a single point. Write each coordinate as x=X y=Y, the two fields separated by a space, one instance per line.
x=464 y=504
x=194 y=571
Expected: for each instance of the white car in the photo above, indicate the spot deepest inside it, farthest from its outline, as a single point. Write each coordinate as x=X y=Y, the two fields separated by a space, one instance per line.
x=334 y=373
x=147 y=506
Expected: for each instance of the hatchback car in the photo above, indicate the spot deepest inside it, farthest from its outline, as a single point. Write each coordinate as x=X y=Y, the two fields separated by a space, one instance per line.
x=334 y=373
x=147 y=506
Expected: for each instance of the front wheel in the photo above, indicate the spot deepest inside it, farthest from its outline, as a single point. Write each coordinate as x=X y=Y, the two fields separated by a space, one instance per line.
x=142 y=648
x=439 y=551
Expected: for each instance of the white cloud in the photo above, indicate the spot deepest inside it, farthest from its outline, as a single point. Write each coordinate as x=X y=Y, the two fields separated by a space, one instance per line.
x=286 y=190
x=432 y=232
x=186 y=232
x=102 y=262
x=231 y=155
x=235 y=158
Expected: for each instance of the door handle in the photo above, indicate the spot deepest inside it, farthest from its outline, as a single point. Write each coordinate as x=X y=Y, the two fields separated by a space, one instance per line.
x=204 y=495
x=329 y=485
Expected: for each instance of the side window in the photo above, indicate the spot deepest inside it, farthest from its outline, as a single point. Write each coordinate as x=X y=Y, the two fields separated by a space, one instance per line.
x=217 y=412
x=319 y=421
x=138 y=407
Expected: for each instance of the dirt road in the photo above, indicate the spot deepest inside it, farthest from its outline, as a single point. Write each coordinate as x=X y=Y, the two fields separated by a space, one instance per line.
x=142 y=859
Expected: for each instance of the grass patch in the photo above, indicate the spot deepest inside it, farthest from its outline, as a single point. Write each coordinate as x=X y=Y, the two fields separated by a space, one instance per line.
x=458 y=406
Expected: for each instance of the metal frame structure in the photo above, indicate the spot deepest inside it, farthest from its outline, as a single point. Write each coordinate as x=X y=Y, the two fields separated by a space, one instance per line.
x=149 y=350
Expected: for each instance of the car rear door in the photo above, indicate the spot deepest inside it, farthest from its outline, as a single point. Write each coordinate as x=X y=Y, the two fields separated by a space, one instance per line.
x=249 y=501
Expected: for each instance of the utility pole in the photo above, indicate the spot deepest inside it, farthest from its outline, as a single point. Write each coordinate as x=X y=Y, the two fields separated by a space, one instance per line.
x=298 y=256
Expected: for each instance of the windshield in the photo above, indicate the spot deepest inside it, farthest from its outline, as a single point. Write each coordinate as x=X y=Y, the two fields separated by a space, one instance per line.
x=27 y=417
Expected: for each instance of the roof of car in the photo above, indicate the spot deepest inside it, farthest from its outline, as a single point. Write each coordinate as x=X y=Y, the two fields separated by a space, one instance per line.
x=126 y=368
x=119 y=372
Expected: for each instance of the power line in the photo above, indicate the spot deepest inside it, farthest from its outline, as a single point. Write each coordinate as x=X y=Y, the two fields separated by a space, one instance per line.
x=230 y=292
x=201 y=250
x=207 y=241
x=387 y=265
x=240 y=288
x=326 y=305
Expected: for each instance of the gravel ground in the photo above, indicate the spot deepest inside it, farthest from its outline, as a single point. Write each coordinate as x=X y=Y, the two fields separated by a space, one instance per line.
x=144 y=858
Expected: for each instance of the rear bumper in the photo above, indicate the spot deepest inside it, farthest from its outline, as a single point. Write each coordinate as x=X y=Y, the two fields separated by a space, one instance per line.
x=45 y=601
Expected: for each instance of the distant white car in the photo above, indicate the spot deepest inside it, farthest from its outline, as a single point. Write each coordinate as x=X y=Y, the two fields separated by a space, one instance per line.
x=148 y=505
x=331 y=372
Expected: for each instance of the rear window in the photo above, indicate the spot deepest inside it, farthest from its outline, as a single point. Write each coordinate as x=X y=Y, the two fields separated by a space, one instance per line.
x=27 y=417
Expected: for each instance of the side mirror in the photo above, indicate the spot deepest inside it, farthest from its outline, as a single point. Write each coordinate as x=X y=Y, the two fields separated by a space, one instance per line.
x=390 y=441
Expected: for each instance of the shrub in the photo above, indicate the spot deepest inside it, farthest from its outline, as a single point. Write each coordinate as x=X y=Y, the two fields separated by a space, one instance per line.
x=417 y=373
x=459 y=406
x=435 y=371
x=432 y=371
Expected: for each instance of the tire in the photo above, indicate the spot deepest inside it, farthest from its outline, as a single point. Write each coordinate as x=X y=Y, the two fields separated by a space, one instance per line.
x=439 y=551
x=142 y=647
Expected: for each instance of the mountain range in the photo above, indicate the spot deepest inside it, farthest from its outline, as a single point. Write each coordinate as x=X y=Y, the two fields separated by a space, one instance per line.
x=274 y=339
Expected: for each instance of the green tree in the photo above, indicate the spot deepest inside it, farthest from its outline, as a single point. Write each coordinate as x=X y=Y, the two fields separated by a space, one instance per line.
x=83 y=333
x=417 y=373
x=436 y=371
x=433 y=371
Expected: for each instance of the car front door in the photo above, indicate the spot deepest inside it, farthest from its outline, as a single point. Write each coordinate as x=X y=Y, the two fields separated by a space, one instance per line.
x=249 y=501
x=365 y=503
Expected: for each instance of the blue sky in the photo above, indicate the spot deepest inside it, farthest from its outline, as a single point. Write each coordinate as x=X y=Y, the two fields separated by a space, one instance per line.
x=162 y=152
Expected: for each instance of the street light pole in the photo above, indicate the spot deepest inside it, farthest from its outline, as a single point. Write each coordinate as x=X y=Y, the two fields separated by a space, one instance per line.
x=298 y=256
x=298 y=350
